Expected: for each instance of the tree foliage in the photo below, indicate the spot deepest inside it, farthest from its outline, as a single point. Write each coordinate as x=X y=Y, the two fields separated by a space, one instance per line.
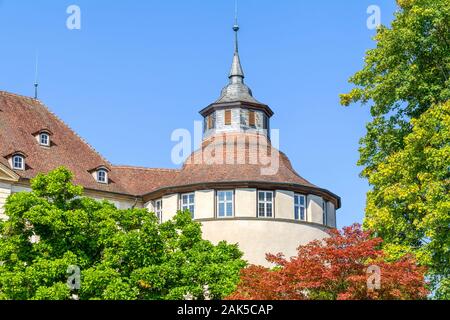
x=407 y=72
x=409 y=206
x=335 y=268
x=405 y=153
x=122 y=254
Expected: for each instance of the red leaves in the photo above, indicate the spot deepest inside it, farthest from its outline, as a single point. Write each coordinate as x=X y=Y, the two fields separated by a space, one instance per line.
x=336 y=268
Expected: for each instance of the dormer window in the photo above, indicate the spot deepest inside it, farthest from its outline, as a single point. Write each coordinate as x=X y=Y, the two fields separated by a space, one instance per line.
x=18 y=162
x=102 y=176
x=44 y=139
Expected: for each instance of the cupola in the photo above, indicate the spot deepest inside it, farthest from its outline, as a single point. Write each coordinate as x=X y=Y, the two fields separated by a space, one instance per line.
x=236 y=110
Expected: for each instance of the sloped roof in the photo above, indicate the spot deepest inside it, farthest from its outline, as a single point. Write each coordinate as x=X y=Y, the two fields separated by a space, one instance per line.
x=246 y=160
x=22 y=117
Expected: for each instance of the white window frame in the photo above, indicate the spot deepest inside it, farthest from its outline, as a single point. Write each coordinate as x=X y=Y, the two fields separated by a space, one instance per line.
x=22 y=162
x=189 y=204
x=325 y=212
x=105 y=181
x=225 y=204
x=47 y=137
x=158 y=205
x=266 y=204
x=298 y=207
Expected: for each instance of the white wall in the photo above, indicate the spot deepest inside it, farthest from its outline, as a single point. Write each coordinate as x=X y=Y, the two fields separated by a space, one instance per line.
x=315 y=209
x=5 y=192
x=245 y=203
x=119 y=204
x=258 y=237
x=204 y=204
x=284 y=204
x=17 y=189
x=170 y=207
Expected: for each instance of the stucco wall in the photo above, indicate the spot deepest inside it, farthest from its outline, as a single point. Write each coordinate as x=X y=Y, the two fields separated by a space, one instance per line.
x=5 y=191
x=170 y=207
x=315 y=209
x=284 y=204
x=245 y=203
x=258 y=237
x=120 y=204
x=204 y=204
x=150 y=206
x=17 y=189
x=8 y=189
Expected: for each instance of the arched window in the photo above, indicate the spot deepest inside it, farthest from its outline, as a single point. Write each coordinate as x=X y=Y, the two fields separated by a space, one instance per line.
x=18 y=162
x=102 y=176
x=44 y=139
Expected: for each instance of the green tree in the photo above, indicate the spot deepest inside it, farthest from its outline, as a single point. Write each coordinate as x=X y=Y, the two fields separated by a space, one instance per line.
x=407 y=72
x=122 y=254
x=405 y=155
x=409 y=206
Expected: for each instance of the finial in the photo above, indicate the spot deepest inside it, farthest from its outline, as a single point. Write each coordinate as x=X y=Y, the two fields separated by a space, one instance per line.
x=236 y=74
x=236 y=26
x=36 y=83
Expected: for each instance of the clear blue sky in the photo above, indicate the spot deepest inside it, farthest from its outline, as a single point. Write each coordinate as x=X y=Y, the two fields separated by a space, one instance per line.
x=137 y=70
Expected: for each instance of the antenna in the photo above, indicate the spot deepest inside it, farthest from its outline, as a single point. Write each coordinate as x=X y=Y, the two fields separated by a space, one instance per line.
x=36 y=74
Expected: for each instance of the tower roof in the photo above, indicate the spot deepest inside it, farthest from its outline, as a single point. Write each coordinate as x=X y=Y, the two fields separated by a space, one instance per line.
x=236 y=90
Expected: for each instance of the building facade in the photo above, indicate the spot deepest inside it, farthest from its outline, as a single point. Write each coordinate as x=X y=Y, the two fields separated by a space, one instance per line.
x=237 y=185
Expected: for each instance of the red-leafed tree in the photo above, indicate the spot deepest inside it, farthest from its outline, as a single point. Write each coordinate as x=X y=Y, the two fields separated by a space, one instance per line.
x=348 y=265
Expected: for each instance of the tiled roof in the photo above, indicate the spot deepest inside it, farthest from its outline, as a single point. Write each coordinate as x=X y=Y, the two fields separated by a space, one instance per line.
x=22 y=117
x=140 y=181
x=242 y=162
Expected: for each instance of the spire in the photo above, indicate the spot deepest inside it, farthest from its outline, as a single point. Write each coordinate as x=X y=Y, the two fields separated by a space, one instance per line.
x=236 y=73
x=236 y=90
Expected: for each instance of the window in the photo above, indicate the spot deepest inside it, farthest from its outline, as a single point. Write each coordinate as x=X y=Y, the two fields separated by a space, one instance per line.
x=188 y=203
x=158 y=210
x=44 y=139
x=225 y=204
x=18 y=162
x=300 y=207
x=325 y=212
x=228 y=117
x=252 y=119
x=243 y=117
x=211 y=121
x=102 y=176
x=265 y=204
x=266 y=123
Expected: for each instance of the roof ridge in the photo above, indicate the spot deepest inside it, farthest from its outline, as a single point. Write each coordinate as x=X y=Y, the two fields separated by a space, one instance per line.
x=18 y=96
x=73 y=131
x=144 y=168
